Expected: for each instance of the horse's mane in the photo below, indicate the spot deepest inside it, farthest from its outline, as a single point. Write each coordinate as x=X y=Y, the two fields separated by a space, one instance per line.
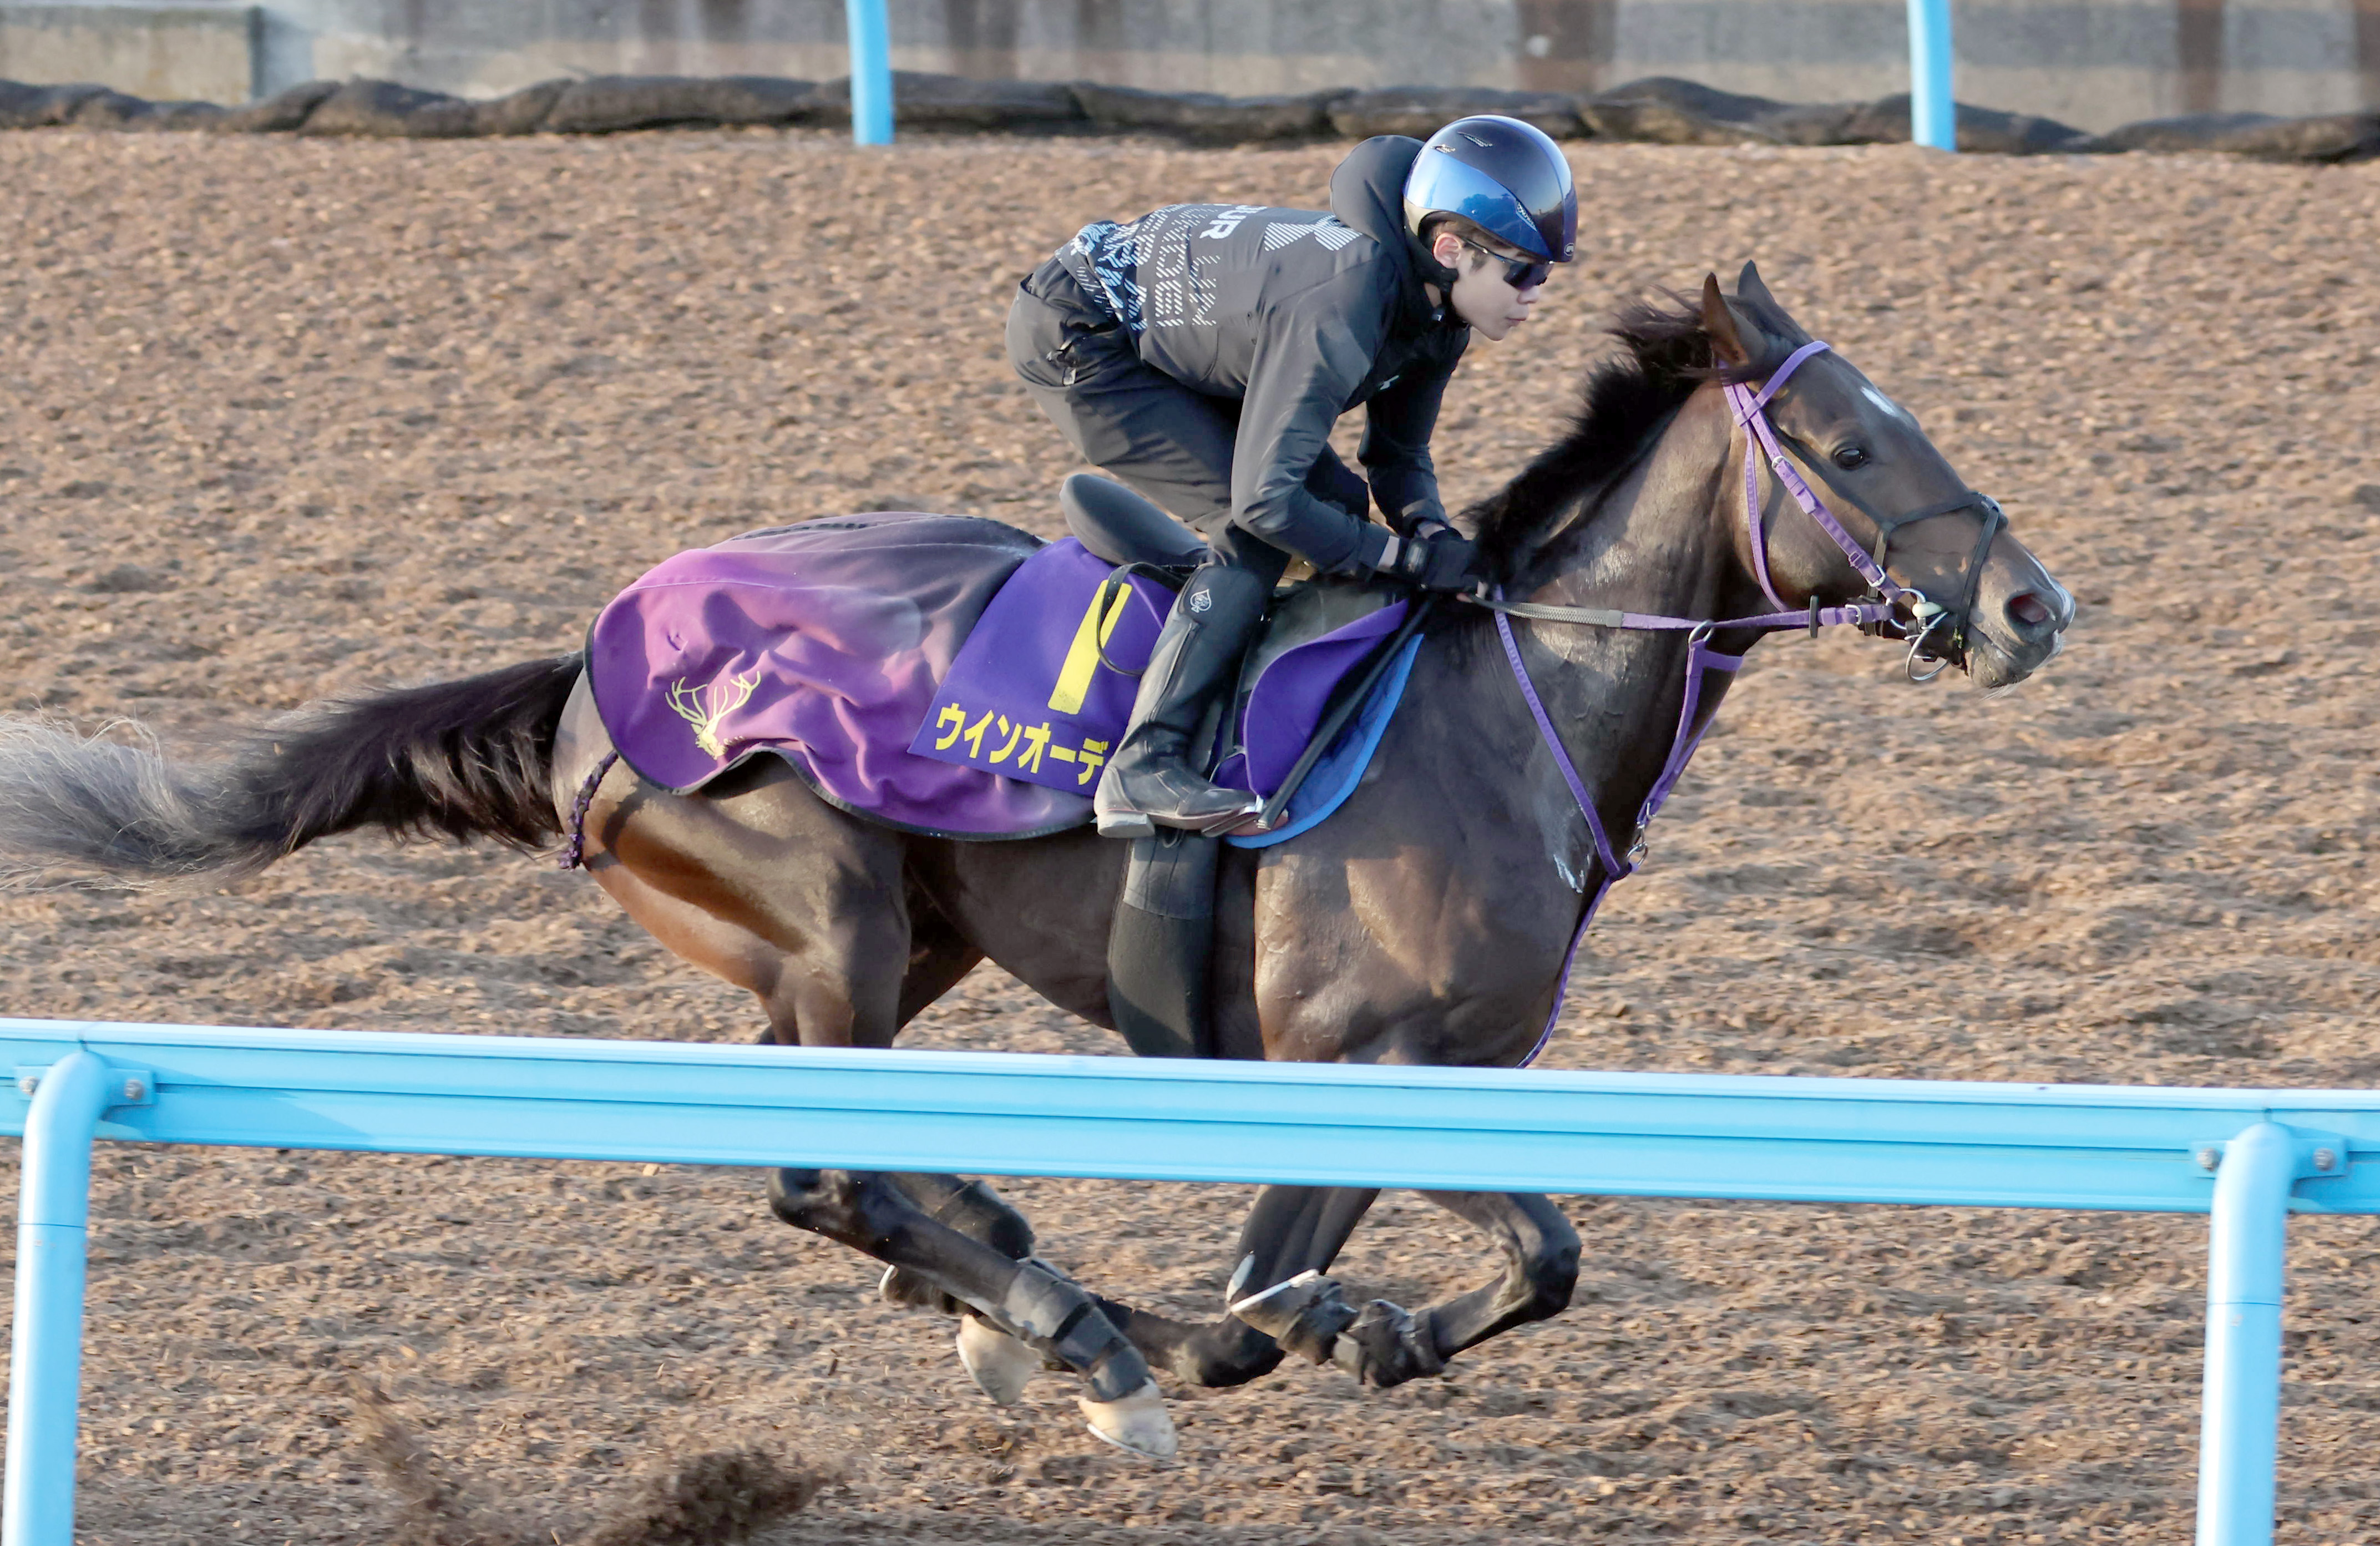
x=1665 y=353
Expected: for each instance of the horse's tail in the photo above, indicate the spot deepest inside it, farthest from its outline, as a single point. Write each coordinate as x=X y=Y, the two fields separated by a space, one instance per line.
x=460 y=758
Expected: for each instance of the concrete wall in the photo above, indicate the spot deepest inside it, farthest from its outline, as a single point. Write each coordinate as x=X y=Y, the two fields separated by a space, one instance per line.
x=2091 y=63
x=163 y=53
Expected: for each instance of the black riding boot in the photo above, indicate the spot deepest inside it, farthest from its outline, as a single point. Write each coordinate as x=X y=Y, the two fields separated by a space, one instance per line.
x=1149 y=781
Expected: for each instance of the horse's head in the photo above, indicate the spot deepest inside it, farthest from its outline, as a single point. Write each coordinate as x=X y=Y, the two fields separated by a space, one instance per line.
x=1880 y=510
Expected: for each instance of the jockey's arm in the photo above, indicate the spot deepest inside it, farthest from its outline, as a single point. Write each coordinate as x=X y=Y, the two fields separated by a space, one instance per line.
x=1395 y=450
x=1312 y=355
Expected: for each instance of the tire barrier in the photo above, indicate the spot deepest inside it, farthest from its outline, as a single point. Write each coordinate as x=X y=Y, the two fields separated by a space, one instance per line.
x=1659 y=110
x=2247 y=1157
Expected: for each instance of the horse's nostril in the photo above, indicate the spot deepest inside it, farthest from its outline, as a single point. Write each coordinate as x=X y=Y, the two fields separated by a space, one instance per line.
x=2029 y=609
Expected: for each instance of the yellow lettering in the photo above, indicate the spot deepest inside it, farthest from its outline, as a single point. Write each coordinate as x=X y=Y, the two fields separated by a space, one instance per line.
x=1036 y=740
x=954 y=717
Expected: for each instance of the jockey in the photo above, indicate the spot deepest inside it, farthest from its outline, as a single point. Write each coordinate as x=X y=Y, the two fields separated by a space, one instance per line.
x=1203 y=352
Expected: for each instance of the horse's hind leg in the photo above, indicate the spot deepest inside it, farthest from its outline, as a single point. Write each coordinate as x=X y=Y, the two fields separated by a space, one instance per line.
x=1023 y=1299
x=1540 y=1269
x=974 y=1210
x=772 y=889
x=939 y=957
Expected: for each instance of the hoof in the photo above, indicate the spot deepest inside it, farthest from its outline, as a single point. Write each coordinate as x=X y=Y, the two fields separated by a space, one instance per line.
x=1303 y=1315
x=998 y=1363
x=1387 y=1345
x=1136 y=1423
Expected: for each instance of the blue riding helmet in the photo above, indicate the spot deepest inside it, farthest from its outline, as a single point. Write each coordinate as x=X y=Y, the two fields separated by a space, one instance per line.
x=1503 y=175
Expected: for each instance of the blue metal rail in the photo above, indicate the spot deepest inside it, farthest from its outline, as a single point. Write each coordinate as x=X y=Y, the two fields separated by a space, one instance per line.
x=1933 y=120
x=2248 y=1156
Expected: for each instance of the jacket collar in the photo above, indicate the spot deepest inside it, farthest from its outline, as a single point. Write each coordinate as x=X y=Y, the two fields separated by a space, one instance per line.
x=1368 y=192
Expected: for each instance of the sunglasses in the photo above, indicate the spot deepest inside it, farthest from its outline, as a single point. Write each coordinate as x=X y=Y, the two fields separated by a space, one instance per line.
x=1520 y=272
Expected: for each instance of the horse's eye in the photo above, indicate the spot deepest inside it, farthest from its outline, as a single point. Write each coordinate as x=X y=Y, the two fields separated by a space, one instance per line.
x=1851 y=456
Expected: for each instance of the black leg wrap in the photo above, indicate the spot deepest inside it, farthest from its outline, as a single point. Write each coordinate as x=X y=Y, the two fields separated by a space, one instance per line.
x=1387 y=1346
x=1319 y=1325
x=880 y=1216
x=1047 y=1310
x=971 y=1208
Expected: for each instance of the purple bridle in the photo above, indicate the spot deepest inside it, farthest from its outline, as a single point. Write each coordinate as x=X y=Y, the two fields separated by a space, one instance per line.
x=1926 y=617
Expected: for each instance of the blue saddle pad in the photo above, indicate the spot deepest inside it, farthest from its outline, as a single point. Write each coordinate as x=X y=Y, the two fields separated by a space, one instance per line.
x=1334 y=777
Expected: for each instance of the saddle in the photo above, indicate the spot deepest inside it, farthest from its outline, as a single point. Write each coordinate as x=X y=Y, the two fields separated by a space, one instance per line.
x=957 y=677
x=1044 y=684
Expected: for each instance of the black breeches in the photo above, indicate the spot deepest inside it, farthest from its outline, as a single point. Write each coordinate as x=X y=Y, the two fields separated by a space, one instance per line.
x=1165 y=440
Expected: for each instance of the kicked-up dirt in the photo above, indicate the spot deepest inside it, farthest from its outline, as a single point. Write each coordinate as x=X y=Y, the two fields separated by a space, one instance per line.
x=279 y=418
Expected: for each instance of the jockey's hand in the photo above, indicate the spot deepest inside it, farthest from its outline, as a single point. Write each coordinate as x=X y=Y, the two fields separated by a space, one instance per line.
x=1438 y=558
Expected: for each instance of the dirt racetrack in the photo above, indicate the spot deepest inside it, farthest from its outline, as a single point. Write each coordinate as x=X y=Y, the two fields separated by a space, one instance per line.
x=278 y=417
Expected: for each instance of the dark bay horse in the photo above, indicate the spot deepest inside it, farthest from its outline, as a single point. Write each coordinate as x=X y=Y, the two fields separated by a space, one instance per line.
x=1430 y=921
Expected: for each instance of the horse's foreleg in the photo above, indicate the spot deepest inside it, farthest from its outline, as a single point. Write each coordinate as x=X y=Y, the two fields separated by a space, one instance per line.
x=1540 y=1269
x=1290 y=1234
x=1386 y=1345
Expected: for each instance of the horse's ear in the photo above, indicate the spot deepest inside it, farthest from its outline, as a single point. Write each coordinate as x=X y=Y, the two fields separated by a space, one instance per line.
x=1719 y=320
x=1749 y=288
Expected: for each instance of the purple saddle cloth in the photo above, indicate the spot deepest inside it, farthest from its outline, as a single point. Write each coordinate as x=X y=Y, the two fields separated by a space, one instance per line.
x=939 y=674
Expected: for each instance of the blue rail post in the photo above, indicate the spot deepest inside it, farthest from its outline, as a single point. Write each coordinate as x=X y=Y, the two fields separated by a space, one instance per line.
x=2240 y=1435
x=1933 y=119
x=872 y=72
x=45 y=1348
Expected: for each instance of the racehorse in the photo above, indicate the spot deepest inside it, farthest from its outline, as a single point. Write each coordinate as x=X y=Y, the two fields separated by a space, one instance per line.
x=1430 y=921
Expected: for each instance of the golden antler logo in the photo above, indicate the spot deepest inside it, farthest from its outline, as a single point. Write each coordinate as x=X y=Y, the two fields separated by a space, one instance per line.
x=703 y=707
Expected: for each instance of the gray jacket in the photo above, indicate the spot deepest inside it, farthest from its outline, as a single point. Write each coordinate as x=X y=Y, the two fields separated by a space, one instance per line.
x=1301 y=316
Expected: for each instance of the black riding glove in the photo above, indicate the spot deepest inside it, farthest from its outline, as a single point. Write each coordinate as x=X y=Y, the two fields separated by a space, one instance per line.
x=1435 y=558
x=1417 y=519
